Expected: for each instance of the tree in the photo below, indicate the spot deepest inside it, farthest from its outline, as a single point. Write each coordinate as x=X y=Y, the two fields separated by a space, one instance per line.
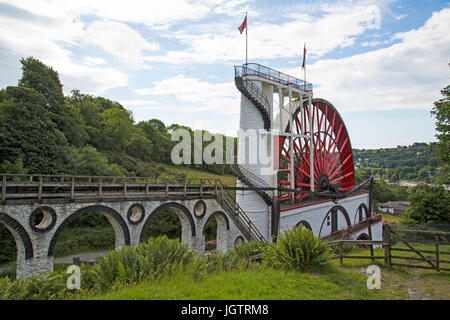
x=441 y=112
x=429 y=205
x=117 y=129
x=44 y=80
x=88 y=161
x=28 y=132
x=162 y=145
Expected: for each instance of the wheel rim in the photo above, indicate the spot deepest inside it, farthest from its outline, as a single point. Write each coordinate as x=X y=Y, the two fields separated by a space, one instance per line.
x=332 y=152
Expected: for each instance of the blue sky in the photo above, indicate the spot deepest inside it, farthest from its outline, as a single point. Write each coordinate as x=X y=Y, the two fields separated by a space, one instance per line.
x=381 y=63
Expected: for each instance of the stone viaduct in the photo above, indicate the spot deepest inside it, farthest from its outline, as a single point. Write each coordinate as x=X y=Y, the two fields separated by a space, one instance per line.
x=36 y=209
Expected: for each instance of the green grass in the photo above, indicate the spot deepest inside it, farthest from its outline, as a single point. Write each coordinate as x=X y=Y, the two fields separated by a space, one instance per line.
x=258 y=283
x=84 y=239
x=191 y=173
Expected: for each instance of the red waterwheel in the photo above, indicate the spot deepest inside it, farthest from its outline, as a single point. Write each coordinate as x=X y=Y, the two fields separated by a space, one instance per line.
x=332 y=151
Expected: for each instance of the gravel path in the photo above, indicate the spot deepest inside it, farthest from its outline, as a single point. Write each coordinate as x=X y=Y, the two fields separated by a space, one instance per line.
x=69 y=259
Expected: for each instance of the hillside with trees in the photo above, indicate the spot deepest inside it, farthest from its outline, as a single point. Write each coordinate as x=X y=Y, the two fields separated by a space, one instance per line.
x=418 y=162
x=44 y=132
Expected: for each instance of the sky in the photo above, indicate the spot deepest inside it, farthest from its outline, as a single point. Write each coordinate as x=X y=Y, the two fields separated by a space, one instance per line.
x=382 y=63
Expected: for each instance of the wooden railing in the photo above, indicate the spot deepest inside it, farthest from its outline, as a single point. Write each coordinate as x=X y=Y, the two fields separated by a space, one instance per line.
x=433 y=259
x=39 y=187
x=341 y=243
x=17 y=187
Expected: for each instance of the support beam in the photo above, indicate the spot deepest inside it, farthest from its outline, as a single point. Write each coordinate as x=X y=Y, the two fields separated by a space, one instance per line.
x=311 y=145
x=291 y=147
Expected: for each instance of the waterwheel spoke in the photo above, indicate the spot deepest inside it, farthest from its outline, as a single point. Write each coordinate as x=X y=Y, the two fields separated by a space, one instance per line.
x=328 y=141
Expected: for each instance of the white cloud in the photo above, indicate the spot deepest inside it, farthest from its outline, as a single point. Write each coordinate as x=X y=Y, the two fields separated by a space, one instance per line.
x=196 y=95
x=406 y=75
x=50 y=39
x=149 y=13
x=92 y=61
x=336 y=27
x=119 y=40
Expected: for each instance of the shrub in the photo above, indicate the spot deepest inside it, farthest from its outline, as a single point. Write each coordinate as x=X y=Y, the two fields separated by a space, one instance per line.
x=298 y=249
x=38 y=287
x=149 y=260
x=251 y=248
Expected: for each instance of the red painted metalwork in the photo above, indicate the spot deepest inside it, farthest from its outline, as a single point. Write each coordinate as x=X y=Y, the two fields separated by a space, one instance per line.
x=331 y=145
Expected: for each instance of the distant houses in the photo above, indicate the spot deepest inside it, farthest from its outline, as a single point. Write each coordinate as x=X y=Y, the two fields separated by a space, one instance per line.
x=394 y=207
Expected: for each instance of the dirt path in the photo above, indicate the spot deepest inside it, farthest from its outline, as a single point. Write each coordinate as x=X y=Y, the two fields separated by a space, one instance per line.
x=417 y=284
x=69 y=259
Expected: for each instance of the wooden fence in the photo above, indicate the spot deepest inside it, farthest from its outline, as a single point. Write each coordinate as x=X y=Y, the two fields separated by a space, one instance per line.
x=398 y=240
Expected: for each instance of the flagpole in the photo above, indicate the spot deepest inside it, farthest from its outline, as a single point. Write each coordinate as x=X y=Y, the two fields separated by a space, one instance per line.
x=304 y=67
x=246 y=39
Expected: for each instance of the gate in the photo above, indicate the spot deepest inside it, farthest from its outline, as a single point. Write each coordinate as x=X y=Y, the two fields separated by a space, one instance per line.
x=425 y=249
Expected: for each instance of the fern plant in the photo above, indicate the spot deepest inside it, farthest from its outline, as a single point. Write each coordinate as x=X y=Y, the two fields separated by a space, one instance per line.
x=298 y=249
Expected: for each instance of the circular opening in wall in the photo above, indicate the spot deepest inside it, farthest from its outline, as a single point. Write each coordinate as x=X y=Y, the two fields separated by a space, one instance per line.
x=200 y=209
x=42 y=219
x=136 y=213
x=239 y=241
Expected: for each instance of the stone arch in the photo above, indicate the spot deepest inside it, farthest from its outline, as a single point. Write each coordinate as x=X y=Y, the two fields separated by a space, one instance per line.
x=18 y=232
x=223 y=226
x=118 y=223
x=361 y=213
x=305 y=224
x=333 y=213
x=362 y=236
x=239 y=241
x=185 y=218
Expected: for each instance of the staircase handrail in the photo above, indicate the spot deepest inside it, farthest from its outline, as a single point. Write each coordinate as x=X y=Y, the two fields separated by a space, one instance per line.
x=252 y=88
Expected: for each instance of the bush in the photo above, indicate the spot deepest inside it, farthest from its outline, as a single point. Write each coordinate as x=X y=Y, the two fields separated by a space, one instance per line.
x=298 y=249
x=39 y=287
x=251 y=248
x=149 y=260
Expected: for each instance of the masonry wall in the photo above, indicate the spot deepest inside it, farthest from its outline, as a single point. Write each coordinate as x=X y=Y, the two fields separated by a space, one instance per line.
x=127 y=232
x=316 y=216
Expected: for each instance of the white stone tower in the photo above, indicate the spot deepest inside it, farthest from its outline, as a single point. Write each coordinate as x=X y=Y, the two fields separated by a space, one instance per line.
x=260 y=124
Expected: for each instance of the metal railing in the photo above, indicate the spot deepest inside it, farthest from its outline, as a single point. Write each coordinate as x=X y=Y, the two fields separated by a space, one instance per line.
x=253 y=89
x=255 y=180
x=255 y=69
x=228 y=202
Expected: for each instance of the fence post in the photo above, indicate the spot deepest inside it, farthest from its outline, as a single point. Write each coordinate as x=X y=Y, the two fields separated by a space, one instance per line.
x=185 y=188
x=341 y=253
x=72 y=188
x=40 y=189
x=167 y=188
x=146 y=187
x=4 y=189
x=387 y=248
x=437 y=252
x=100 y=186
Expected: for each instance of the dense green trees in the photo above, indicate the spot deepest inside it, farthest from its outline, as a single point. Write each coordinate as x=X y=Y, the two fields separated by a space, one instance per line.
x=441 y=112
x=43 y=131
x=429 y=205
x=27 y=132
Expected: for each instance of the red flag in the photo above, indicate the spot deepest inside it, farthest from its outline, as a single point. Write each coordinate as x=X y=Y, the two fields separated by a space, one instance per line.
x=243 y=25
x=304 y=57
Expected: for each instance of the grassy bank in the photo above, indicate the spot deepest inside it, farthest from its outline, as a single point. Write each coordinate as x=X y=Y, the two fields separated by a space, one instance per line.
x=346 y=282
x=260 y=283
